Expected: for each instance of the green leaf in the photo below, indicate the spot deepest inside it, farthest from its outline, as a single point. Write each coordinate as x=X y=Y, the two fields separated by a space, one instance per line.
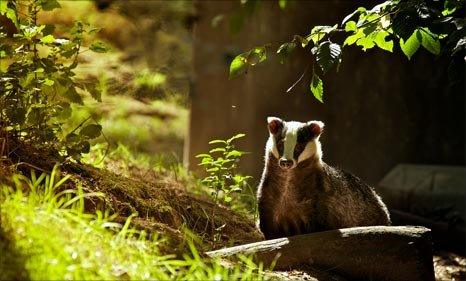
x=235 y=188
x=82 y=147
x=238 y=136
x=429 y=40
x=410 y=46
x=285 y=50
x=405 y=23
x=328 y=54
x=450 y=6
x=64 y=111
x=207 y=180
x=99 y=47
x=72 y=137
x=217 y=141
x=207 y=160
x=366 y=43
x=350 y=40
x=48 y=29
x=47 y=39
x=95 y=93
x=91 y=131
x=203 y=155
x=3 y=7
x=36 y=115
x=282 y=4
x=317 y=87
x=24 y=82
x=381 y=43
x=73 y=96
x=370 y=29
x=48 y=5
x=218 y=149
x=319 y=32
x=238 y=66
x=351 y=26
x=10 y=13
x=256 y=55
x=234 y=153
x=48 y=82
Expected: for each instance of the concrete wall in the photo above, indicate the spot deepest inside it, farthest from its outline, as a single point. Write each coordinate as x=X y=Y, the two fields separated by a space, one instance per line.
x=379 y=108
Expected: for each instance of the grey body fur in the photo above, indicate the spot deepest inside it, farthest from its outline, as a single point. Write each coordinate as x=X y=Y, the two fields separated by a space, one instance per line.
x=314 y=196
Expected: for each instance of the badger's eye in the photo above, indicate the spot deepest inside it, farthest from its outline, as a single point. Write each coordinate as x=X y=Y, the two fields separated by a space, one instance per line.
x=280 y=144
x=299 y=148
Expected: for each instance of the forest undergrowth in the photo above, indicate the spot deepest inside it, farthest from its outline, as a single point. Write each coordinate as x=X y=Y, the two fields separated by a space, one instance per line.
x=80 y=222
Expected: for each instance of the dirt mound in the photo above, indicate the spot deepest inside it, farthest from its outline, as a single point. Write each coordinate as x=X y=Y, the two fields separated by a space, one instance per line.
x=162 y=204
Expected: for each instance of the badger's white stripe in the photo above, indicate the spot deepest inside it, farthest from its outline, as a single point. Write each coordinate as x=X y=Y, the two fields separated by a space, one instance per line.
x=290 y=140
x=313 y=148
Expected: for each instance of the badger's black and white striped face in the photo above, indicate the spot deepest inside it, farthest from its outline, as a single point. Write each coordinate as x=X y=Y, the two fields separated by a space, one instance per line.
x=293 y=142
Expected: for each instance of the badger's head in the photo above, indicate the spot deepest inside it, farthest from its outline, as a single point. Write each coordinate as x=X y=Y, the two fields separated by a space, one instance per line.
x=293 y=142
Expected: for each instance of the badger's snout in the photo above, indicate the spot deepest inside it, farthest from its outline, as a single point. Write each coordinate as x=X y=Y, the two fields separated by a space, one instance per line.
x=286 y=163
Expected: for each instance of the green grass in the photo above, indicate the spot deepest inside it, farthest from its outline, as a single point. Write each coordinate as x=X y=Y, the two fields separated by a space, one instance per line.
x=55 y=239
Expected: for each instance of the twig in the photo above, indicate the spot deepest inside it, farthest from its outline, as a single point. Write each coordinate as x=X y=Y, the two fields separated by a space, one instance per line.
x=31 y=166
x=108 y=144
x=80 y=124
x=299 y=79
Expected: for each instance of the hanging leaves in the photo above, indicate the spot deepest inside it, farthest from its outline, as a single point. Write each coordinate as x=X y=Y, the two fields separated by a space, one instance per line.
x=429 y=40
x=410 y=46
x=238 y=66
x=317 y=87
x=328 y=54
x=412 y=24
x=241 y=62
x=285 y=50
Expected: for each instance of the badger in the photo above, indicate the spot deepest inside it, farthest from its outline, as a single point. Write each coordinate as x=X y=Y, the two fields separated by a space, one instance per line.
x=299 y=193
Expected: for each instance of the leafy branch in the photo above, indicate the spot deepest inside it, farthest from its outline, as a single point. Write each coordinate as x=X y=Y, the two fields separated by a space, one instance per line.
x=38 y=88
x=435 y=25
x=221 y=165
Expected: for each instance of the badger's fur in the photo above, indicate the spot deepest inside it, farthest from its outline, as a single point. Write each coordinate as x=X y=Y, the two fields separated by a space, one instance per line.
x=299 y=193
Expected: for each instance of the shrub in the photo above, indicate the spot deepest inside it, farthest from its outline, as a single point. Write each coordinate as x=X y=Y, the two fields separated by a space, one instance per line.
x=38 y=82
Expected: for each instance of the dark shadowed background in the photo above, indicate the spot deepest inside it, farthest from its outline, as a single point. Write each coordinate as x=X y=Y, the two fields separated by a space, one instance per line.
x=379 y=109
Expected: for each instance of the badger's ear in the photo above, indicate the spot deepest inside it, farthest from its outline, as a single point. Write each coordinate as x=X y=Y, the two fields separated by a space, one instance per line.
x=274 y=124
x=315 y=128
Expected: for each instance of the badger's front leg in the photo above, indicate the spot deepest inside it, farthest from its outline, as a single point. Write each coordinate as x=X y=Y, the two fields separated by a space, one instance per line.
x=266 y=218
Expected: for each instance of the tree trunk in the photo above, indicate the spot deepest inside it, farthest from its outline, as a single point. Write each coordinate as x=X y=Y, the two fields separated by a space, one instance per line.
x=360 y=253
